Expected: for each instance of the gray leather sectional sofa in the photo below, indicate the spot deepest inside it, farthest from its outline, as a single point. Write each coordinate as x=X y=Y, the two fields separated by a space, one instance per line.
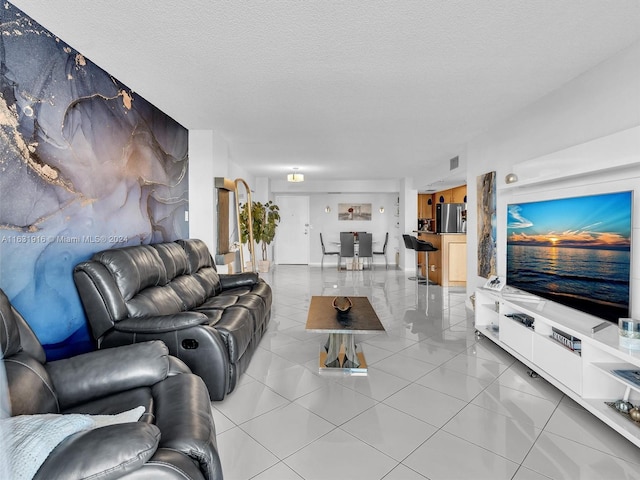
x=174 y=438
x=172 y=292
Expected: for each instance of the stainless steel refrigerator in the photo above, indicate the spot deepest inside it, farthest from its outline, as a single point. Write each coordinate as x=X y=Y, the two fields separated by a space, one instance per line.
x=450 y=218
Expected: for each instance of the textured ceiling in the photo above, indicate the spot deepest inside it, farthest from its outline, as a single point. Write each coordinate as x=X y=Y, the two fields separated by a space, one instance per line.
x=358 y=89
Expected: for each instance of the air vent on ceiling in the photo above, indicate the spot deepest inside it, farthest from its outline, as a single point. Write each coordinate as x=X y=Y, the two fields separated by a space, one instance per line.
x=454 y=162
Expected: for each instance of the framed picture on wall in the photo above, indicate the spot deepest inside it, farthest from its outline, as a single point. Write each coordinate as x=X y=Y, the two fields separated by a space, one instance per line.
x=486 y=218
x=354 y=211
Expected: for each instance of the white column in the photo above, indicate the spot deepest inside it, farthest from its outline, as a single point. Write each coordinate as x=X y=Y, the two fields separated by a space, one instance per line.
x=408 y=221
x=202 y=208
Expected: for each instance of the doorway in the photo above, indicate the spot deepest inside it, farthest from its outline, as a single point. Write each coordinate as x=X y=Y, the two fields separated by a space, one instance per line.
x=292 y=237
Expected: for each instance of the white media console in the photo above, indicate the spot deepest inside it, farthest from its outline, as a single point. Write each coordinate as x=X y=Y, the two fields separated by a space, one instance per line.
x=585 y=374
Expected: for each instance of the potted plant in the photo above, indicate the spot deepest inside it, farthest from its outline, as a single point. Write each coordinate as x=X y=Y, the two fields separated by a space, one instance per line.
x=265 y=218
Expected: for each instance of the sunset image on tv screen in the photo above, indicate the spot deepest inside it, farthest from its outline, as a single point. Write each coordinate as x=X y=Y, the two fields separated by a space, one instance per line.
x=576 y=251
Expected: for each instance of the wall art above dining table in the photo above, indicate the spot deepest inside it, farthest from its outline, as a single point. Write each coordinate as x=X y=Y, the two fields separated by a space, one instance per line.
x=354 y=211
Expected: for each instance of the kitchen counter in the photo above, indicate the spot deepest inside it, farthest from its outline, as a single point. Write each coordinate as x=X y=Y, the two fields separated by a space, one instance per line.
x=447 y=266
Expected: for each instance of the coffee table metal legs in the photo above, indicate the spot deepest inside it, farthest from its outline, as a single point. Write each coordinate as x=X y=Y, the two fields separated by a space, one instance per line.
x=332 y=347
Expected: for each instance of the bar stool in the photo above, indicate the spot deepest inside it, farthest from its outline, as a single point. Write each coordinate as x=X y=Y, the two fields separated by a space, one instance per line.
x=408 y=242
x=422 y=246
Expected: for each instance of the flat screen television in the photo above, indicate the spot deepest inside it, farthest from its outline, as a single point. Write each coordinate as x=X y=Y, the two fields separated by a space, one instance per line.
x=575 y=251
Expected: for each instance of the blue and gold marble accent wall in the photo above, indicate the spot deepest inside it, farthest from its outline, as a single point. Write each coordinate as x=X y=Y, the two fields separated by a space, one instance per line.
x=86 y=164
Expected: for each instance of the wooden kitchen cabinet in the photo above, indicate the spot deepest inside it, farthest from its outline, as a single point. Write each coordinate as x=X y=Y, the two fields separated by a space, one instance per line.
x=459 y=194
x=448 y=265
x=425 y=209
x=451 y=195
x=435 y=267
x=443 y=196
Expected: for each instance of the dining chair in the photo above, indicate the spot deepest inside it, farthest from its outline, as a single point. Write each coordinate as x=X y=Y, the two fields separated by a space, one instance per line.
x=383 y=252
x=325 y=252
x=365 y=247
x=347 y=248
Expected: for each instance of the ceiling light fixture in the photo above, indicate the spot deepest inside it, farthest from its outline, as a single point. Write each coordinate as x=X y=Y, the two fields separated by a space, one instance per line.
x=295 y=177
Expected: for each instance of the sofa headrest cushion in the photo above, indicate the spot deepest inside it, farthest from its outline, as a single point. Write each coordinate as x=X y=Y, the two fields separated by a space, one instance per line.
x=134 y=268
x=174 y=258
x=9 y=332
x=198 y=254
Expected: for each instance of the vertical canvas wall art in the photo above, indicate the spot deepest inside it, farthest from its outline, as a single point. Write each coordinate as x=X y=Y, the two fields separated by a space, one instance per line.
x=486 y=185
x=86 y=164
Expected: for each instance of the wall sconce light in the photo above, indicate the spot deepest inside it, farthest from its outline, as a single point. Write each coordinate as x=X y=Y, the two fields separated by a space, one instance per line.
x=511 y=178
x=295 y=177
x=429 y=201
x=381 y=209
x=327 y=209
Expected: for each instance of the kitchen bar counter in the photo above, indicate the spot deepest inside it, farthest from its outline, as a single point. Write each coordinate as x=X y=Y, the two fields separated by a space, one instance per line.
x=447 y=266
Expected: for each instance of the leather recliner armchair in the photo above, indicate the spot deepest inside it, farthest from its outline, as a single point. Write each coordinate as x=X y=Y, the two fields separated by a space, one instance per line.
x=174 y=438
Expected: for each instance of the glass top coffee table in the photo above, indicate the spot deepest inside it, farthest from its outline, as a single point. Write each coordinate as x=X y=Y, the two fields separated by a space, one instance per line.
x=340 y=353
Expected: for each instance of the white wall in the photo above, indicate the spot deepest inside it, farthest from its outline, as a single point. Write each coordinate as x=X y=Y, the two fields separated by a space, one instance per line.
x=599 y=103
x=330 y=227
x=380 y=193
x=210 y=156
x=202 y=208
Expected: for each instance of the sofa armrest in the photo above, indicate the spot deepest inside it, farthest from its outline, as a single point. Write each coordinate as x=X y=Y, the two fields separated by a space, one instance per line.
x=96 y=374
x=188 y=426
x=177 y=366
x=161 y=323
x=167 y=463
x=234 y=280
x=105 y=453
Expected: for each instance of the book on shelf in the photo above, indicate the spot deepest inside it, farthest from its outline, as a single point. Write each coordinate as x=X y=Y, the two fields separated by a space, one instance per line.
x=569 y=341
x=632 y=375
x=523 y=318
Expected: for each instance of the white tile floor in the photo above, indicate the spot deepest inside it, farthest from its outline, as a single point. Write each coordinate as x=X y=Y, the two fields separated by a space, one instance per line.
x=438 y=403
